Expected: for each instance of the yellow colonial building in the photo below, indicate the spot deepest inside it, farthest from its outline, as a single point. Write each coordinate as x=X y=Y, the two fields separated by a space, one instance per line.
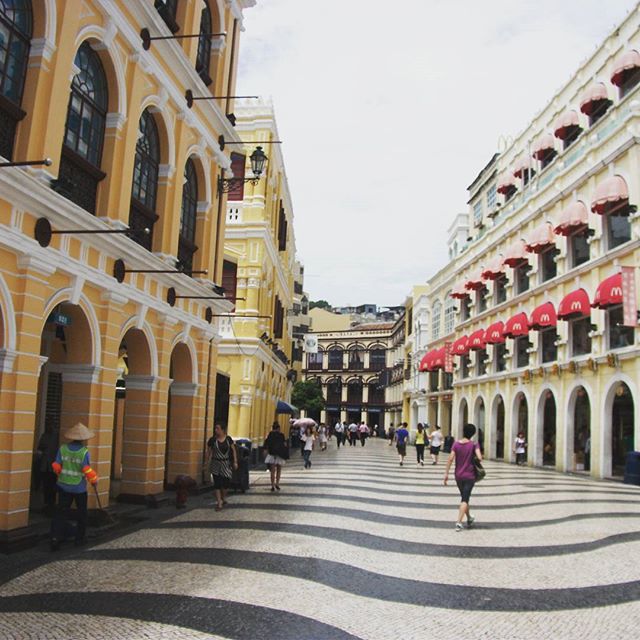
x=538 y=303
x=257 y=351
x=111 y=256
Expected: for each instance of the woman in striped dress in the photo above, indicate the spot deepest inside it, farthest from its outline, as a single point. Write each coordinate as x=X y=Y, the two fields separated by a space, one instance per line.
x=223 y=461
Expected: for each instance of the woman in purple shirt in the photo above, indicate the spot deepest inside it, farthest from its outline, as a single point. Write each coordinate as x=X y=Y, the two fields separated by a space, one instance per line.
x=462 y=452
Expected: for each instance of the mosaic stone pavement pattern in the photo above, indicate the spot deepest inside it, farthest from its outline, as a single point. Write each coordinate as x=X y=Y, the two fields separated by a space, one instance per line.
x=355 y=547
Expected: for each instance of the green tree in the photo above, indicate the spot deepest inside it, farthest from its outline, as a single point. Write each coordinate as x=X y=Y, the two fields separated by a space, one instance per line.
x=307 y=395
x=320 y=304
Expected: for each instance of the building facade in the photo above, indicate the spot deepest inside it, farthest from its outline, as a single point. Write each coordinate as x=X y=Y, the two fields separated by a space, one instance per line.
x=90 y=330
x=258 y=350
x=544 y=337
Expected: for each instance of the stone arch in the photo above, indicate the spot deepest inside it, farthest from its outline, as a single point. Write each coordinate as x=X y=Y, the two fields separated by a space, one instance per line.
x=545 y=440
x=150 y=359
x=496 y=448
x=202 y=164
x=480 y=419
x=572 y=395
x=463 y=415
x=8 y=329
x=519 y=421
x=605 y=458
x=188 y=344
x=99 y=39
x=45 y=23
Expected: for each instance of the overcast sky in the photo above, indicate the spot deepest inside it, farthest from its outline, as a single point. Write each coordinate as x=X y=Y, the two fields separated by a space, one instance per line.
x=388 y=110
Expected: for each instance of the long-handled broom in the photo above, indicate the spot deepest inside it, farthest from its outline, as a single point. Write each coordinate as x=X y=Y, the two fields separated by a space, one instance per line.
x=103 y=516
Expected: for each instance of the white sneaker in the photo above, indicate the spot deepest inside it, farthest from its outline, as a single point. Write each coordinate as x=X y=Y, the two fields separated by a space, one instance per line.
x=459 y=526
x=470 y=521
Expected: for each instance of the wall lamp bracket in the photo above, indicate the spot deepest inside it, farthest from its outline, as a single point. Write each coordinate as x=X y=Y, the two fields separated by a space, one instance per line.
x=147 y=38
x=43 y=232
x=172 y=297
x=190 y=98
x=120 y=270
x=223 y=143
x=47 y=162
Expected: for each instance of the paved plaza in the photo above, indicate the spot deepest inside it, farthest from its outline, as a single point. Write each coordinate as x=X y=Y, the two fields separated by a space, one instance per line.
x=356 y=547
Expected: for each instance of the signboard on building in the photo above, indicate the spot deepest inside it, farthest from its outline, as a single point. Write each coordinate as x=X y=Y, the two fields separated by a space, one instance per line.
x=311 y=343
x=629 y=297
x=448 y=358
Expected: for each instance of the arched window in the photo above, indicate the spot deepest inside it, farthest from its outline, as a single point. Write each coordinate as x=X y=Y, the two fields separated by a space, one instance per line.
x=335 y=358
x=449 y=313
x=84 y=131
x=204 y=45
x=186 y=243
x=436 y=317
x=168 y=10
x=142 y=214
x=334 y=391
x=15 y=36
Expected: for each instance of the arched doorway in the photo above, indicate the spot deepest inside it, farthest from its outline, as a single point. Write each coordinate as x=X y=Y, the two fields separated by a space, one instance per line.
x=181 y=437
x=64 y=392
x=622 y=428
x=497 y=427
x=549 y=429
x=463 y=415
x=521 y=419
x=479 y=415
x=581 y=431
x=133 y=451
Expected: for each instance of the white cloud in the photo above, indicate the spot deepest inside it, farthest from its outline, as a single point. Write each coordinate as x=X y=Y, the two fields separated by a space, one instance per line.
x=389 y=110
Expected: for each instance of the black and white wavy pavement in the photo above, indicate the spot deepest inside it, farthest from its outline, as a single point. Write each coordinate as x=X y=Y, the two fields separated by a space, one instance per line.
x=356 y=547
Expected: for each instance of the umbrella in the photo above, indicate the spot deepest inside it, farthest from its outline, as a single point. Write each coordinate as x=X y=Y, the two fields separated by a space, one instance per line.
x=285 y=407
x=305 y=422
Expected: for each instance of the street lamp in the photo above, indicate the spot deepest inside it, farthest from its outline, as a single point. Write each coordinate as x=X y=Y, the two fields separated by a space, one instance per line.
x=258 y=160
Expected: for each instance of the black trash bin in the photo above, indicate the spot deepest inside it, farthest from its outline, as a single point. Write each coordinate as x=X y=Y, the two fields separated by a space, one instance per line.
x=632 y=468
x=240 y=478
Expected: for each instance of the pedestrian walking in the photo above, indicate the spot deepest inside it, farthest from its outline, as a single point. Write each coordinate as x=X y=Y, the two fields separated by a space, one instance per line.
x=435 y=442
x=72 y=465
x=462 y=453
x=392 y=433
x=277 y=453
x=339 y=431
x=401 y=436
x=520 y=449
x=322 y=436
x=363 y=431
x=309 y=443
x=353 y=434
x=421 y=438
x=223 y=461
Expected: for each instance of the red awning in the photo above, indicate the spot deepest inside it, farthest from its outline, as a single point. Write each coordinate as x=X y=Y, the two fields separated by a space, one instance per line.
x=476 y=340
x=574 y=305
x=543 y=316
x=611 y=193
x=495 y=333
x=609 y=292
x=516 y=254
x=424 y=363
x=437 y=360
x=474 y=280
x=541 y=238
x=506 y=183
x=521 y=164
x=572 y=217
x=626 y=62
x=543 y=145
x=596 y=93
x=567 y=121
x=494 y=268
x=460 y=347
x=459 y=291
x=516 y=326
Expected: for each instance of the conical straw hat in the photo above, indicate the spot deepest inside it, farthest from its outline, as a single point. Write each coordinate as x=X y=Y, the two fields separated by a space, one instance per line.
x=78 y=432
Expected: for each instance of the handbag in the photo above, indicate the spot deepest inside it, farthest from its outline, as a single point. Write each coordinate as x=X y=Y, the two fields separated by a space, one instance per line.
x=478 y=469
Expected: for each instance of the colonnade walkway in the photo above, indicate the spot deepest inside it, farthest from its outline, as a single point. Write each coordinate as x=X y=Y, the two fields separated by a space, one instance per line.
x=355 y=547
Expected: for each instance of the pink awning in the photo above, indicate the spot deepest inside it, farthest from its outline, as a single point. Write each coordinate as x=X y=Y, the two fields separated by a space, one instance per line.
x=572 y=217
x=506 y=183
x=541 y=238
x=521 y=165
x=474 y=280
x=494 y=268
x=567 y=121
x=610 y=194
x=594 y=94
x=516 y=254
x=459 y=290
x=543 y=145
x=626 y=62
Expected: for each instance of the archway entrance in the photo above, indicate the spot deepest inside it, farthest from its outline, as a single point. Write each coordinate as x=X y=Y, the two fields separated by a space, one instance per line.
x=582 y=431
x=133 y=451
x=66 y=345
x=521 y=419
x=479 y=420
x=463 y=416
x=499 y=427
x=181 y=438
x=622 y=428
x=549 y=430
